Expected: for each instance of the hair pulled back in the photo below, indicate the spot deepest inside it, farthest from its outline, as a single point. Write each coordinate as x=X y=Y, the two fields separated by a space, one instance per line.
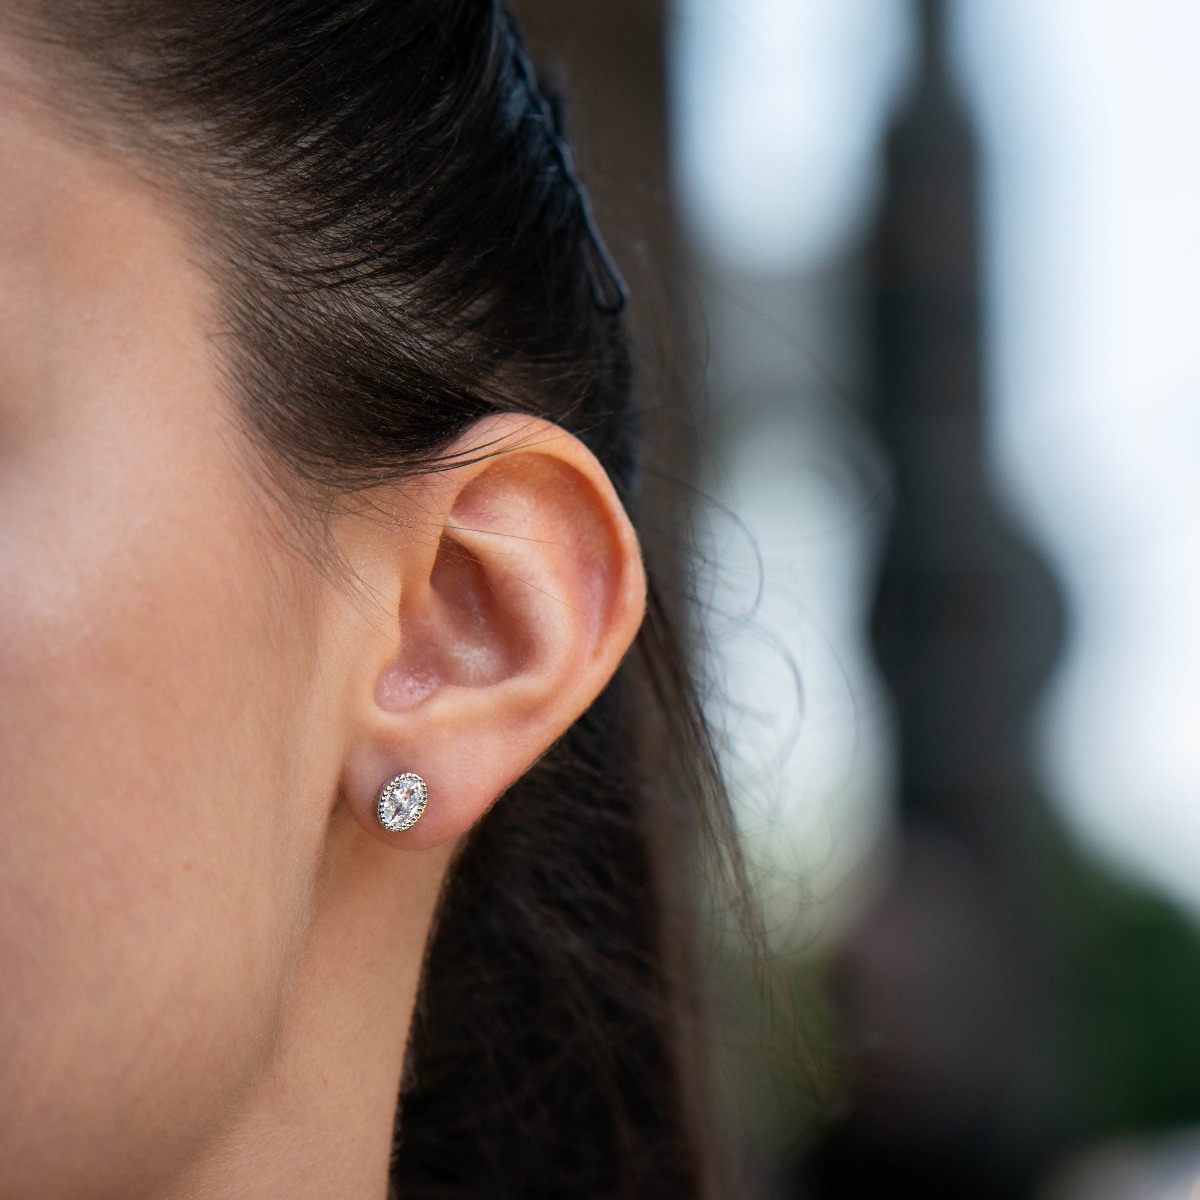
x=402 y=248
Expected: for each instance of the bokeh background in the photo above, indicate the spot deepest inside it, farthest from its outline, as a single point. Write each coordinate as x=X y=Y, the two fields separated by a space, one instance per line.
x=915 y=281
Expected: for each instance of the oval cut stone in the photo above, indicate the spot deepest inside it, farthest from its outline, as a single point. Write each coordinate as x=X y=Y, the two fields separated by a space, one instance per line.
x=401 y=802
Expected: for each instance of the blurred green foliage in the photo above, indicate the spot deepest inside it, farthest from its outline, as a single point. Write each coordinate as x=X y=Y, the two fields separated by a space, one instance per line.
x=1110 y=1016
x=1114 y=1043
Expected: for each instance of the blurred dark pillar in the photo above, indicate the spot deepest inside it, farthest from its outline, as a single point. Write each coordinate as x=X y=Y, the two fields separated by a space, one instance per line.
x=965 y=629
x=967 y=622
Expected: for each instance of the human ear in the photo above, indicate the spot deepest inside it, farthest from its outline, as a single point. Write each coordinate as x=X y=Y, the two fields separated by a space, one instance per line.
x=507 y=586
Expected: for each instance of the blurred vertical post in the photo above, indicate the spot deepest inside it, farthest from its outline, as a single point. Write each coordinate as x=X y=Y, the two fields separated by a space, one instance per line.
x=966 y=628
x=968 y=619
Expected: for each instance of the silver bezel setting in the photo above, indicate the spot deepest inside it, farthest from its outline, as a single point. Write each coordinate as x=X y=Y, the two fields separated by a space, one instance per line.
x=401 y=802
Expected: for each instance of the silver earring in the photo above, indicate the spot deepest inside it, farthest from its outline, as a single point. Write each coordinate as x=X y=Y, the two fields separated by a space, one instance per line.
x=401 y=802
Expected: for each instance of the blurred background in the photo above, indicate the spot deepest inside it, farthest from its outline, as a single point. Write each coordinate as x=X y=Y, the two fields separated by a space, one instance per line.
x=914 y=281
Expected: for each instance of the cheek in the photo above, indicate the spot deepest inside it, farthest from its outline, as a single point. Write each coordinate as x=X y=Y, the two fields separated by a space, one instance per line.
x=152 y=873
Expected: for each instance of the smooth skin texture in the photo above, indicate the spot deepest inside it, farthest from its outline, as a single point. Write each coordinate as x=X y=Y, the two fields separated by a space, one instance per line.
x=200 y=996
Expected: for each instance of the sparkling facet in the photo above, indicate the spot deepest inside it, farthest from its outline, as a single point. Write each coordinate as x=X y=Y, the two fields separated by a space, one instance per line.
x=401 y=802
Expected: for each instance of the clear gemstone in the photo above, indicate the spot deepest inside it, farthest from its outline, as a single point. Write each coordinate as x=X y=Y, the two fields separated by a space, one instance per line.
x=402 y=802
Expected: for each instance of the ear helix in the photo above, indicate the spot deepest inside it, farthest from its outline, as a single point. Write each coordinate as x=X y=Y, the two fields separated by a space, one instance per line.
x=401 y=802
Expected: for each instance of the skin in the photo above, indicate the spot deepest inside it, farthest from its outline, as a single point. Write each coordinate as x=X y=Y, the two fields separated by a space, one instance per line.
x=200 y=997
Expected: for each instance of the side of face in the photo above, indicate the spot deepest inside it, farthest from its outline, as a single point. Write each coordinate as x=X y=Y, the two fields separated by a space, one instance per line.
x=195 y=716
x=157 y=651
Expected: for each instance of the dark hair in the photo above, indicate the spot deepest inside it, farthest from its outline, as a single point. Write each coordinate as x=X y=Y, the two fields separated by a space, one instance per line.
x=402 y=248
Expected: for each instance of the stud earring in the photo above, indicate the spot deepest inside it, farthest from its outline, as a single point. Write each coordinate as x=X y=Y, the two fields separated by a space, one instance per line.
x=401 y=802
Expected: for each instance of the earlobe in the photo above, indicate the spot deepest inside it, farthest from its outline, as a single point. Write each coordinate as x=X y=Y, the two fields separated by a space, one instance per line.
x=510 y=612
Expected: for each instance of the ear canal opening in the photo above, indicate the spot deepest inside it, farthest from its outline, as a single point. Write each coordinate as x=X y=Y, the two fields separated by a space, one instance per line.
x=460 y=636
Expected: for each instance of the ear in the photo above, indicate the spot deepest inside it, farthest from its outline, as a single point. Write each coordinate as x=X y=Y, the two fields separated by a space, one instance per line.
x=509 y=585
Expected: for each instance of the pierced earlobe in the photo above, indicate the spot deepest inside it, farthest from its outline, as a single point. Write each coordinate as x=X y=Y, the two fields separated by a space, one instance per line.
x=401 y=802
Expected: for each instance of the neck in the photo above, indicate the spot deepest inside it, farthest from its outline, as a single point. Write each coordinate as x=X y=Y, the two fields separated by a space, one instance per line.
x=318 y=1120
